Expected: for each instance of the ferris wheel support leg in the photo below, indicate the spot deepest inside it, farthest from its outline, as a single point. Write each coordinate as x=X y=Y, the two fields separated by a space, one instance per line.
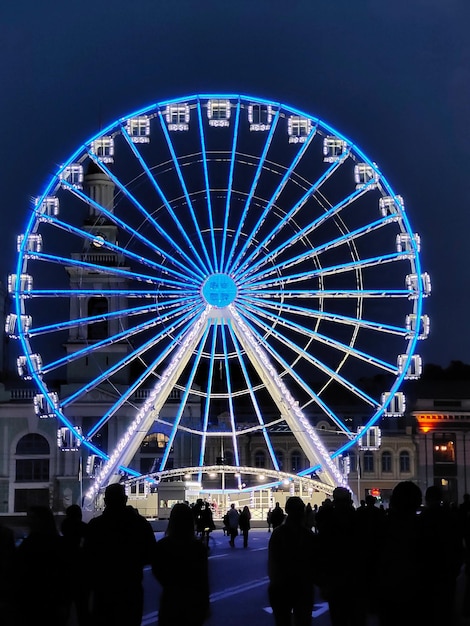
x=130 y=442
x=289 y=409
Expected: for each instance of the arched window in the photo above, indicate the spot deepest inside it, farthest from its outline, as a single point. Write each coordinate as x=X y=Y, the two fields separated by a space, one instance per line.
x=405 y=463
x=386 y=461
x=368 y=461
x=99 y=329
x=260 y=459
x=32 y=465
x=33 y=444
x=280 y=458
x=296 y=459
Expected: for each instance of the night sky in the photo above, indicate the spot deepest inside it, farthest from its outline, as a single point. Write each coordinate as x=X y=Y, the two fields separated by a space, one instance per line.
x=393 y=76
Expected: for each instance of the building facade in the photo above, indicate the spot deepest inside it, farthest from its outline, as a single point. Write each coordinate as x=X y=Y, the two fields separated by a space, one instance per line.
x=443 y=437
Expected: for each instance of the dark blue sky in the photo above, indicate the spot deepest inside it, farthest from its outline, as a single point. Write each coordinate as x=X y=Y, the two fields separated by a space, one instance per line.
x=392 y=76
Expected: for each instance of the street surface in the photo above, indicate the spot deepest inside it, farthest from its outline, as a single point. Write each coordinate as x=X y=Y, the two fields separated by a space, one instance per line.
x=238 y=580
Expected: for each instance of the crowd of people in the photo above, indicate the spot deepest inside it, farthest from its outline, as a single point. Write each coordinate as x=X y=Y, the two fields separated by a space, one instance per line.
x=399 y=565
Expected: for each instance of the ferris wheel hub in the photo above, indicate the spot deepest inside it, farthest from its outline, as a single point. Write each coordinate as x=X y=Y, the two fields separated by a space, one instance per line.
x=219 y=290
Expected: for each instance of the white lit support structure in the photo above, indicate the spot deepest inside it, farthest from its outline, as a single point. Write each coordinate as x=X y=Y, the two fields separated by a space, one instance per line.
x=225 y=249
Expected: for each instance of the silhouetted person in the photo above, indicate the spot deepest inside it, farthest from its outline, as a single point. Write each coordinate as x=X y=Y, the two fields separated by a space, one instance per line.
x=207 y=524
x=340 y=571
x=442 y=558
x=180 y=566
x=197 y=510
x=464 y=507
x=73 y=530
x=7 y=555
x=73 y=527
x=370 y=520
x=292 y=558
x=402 y=579
x=118 y=544
x=42 y=573
x=225 y=527
x=277 y=516
x=268 y=519
x=464 y=522
x=310 y=516
x=232 y=521
x=245 y=524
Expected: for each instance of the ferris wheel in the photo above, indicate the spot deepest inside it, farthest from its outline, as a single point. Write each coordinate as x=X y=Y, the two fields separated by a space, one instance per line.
x=224 y=251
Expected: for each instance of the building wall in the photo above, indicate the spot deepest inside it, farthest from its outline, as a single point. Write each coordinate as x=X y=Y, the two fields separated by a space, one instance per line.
x=63 y=486
x=443 y=439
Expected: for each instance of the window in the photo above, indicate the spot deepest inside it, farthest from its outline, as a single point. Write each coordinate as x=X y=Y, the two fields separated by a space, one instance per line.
x=444 y=448
x=149 y=465
x=97 y=329
x=32 y=469
x=386 y=462
x=295 y=460
x=368 y=462
x=405 y=463
x=24 y=498
x=33 y=444
x=154 y=441
x=352 y=461
x=260 y=459
x=280 y=458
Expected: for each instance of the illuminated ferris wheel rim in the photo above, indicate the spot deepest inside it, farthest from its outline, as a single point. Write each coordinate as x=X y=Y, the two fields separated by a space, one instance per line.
x=209 y=271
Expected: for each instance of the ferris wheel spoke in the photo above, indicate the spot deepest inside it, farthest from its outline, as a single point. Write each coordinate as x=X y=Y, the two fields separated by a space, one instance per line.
x=355 y=195
x=129 y=443
x=181 y=326
x=303 y=149
x=127 y=395
x=206 y=405
x=295 y=417
x=334 y=269
x=347 y=349
x=84 y=293
x=84 y=321
x=230 y=187
x=168 y=207
x=298 y=379
x=328 y=293
x=125 y=252
x=314 y=188
x=208 y=187
x=254 y=400
x=174 y=157
x=257 y=318
x=346 y=238
x=230 y=401
x=284 y=308
x=98 y=345
x=186 y=393
x=198 y=268
x=107 y=269
x=259 y=169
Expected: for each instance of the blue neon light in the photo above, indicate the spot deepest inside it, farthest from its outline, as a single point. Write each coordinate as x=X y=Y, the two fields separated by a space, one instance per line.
x=219 y=290
x=234 y=262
